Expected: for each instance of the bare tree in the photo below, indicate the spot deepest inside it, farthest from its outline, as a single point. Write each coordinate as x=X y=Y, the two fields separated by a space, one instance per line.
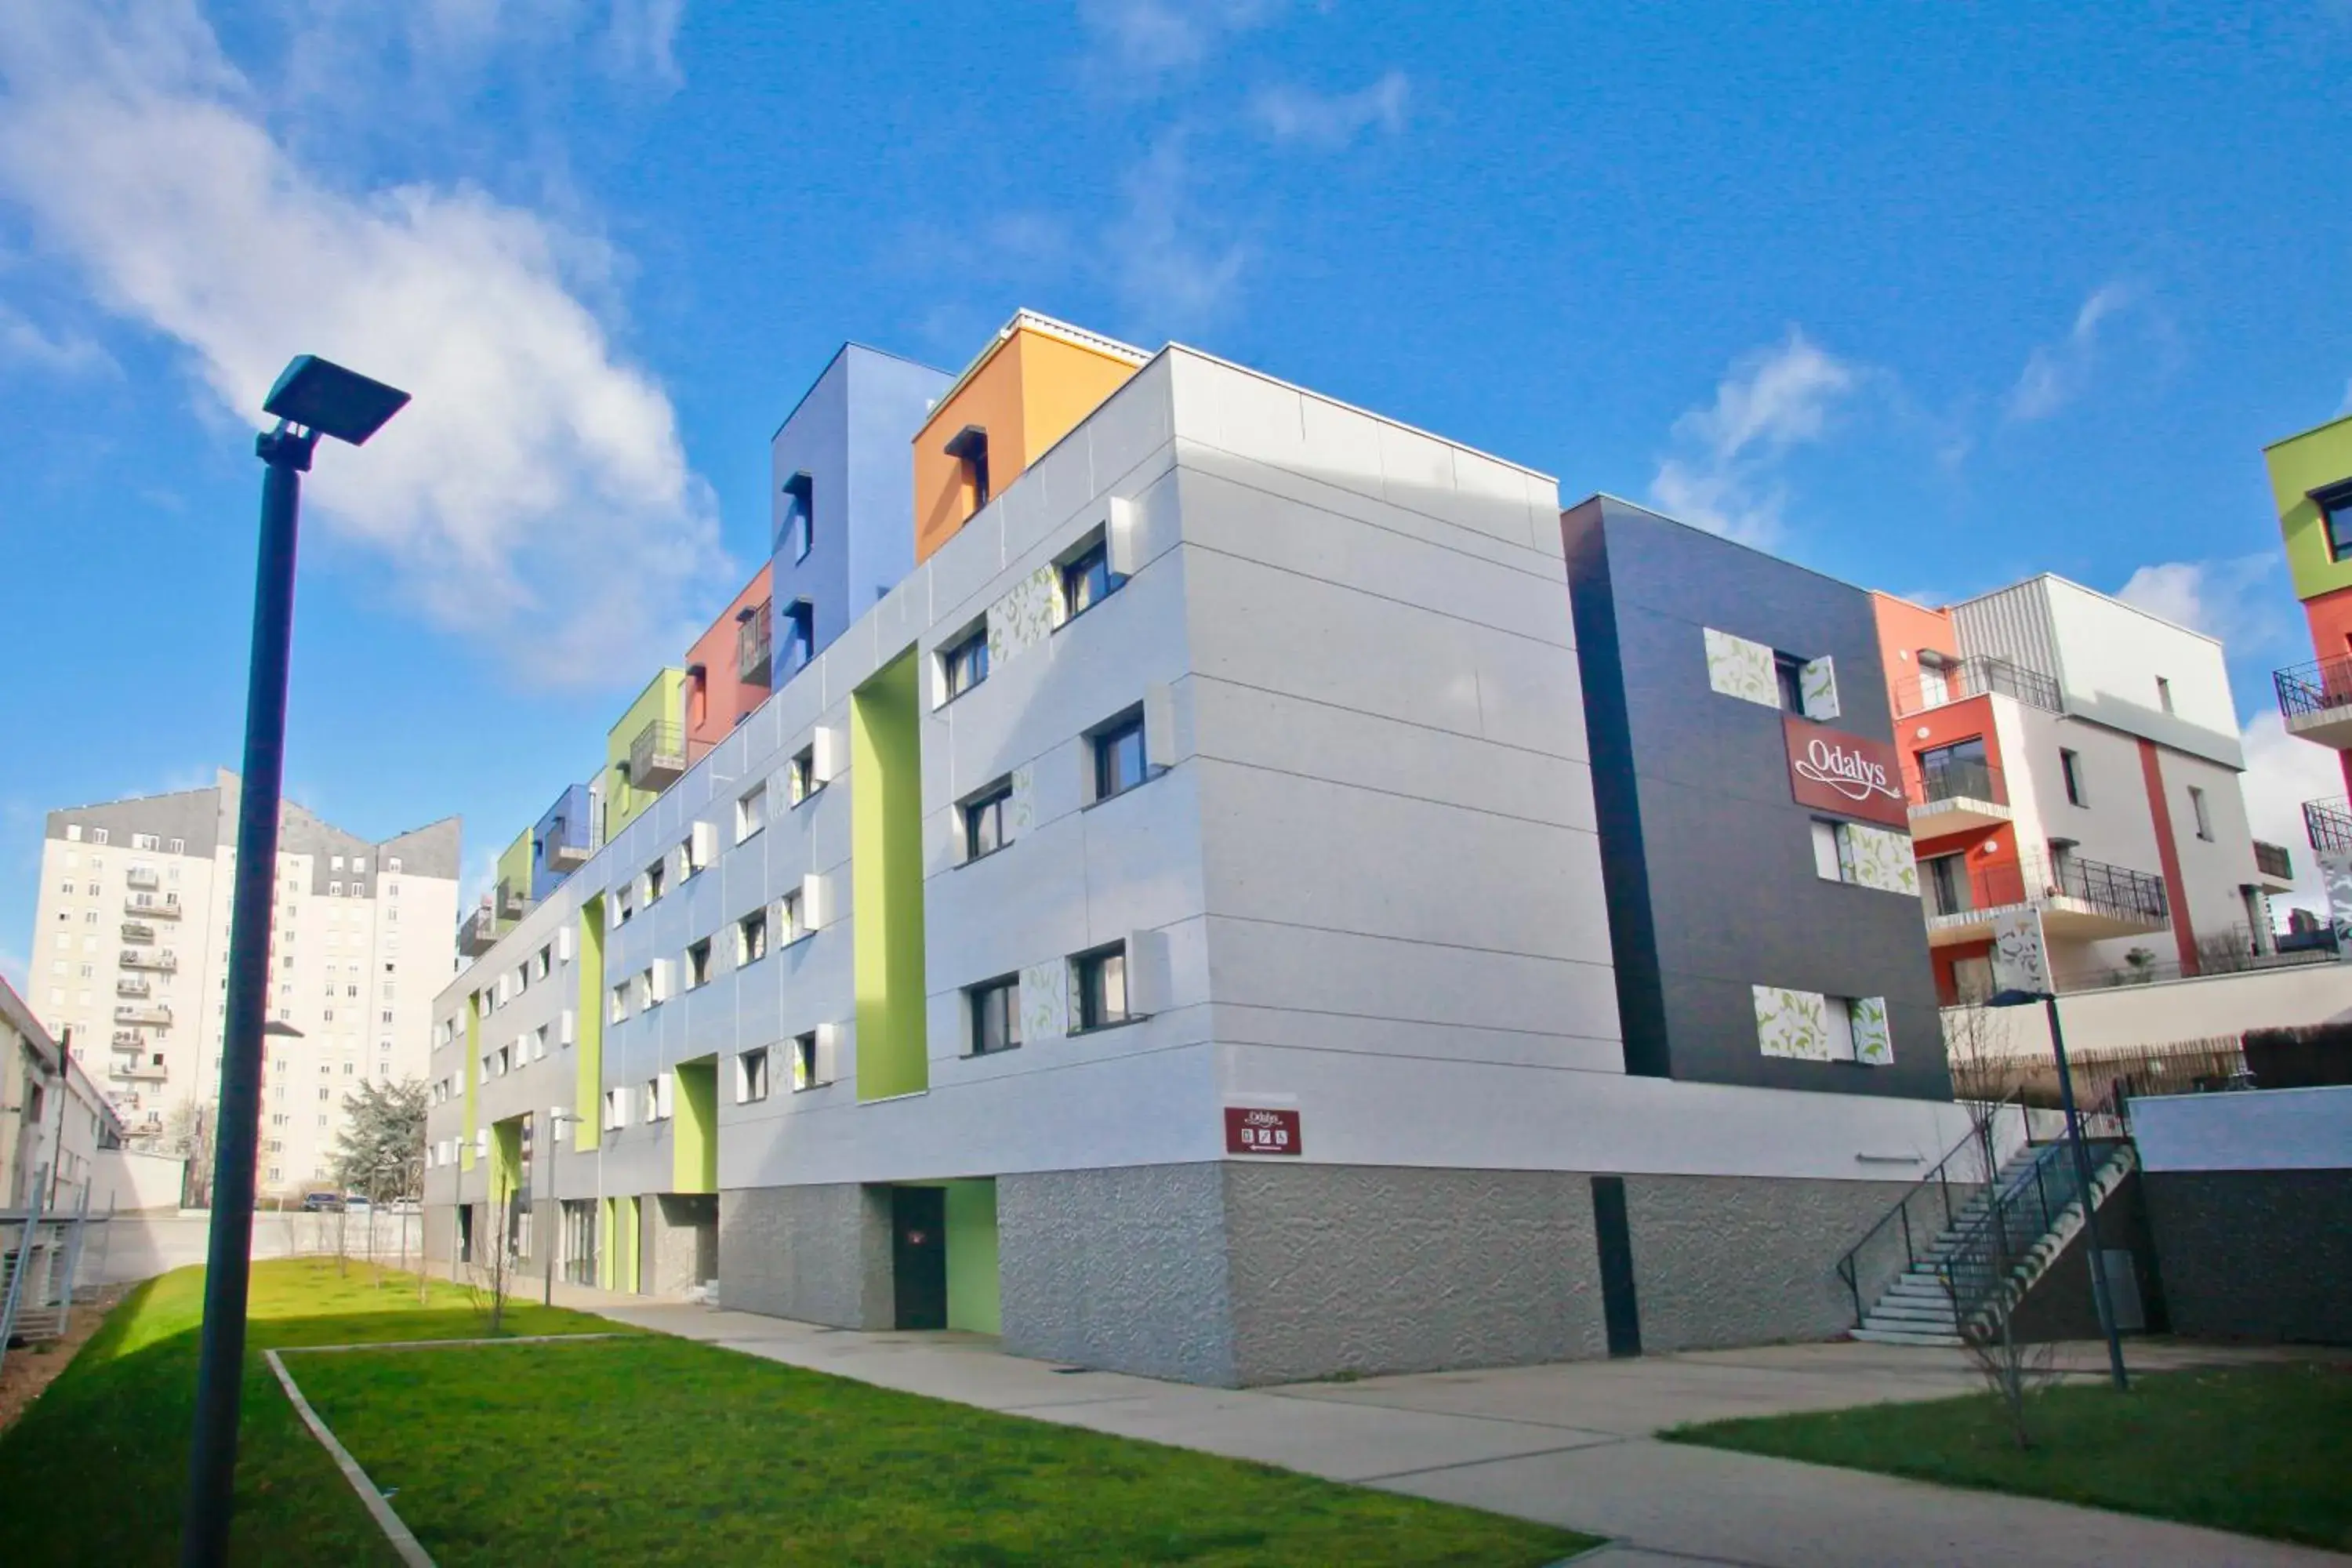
x=188 y=1132
x=491 y=1281
x=1988 y=1072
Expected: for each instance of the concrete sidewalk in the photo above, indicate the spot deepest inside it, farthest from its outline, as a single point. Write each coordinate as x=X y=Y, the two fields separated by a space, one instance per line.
x=1570 y=1445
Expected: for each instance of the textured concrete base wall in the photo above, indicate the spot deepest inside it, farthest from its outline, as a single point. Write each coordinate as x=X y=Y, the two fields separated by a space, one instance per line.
x=1121 y=1269
x=441 y=1232
x=820 y=1253
x=2262 y=1255
x=1734 y=1260
x=680 y=1243
x=1361 y=1269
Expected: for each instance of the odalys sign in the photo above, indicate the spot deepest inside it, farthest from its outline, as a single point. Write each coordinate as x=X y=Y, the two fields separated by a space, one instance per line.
x=1833 y=771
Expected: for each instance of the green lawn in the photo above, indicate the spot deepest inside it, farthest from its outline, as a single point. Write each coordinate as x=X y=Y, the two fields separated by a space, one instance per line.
x=644 y=1450
x=2264 y=1450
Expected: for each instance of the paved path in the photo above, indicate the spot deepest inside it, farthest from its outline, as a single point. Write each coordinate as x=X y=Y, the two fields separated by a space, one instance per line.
x=1570 y=1445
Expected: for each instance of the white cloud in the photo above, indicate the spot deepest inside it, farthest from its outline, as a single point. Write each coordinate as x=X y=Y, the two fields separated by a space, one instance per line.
x=27 y=342
x=2237 y=600
x=1172 y=274
x=2281 y=772
x=1722 y=477
x=2056 y=373
x=534 y=496
x=1332 y=121
x=1147 y=40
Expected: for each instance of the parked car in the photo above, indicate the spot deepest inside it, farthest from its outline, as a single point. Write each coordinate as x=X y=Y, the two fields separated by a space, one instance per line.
x=356 y=1203
x=402 y=1205
x=322 y=1202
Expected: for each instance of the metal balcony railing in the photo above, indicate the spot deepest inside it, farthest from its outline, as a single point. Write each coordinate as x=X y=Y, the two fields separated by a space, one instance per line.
x=2305 y=690
x=2272 y=860
x=2114 y=890
x=657 y=755
x=161 y=963
x=512 y=902
x=1960 y=778
x=478 y=933
x=1976 y=677
x=140 y=876
x=128 y=987
x=130 y=1040
x=753 y=642
x=156 y=1014
x=565 y=846
x=165 y=911
x=138 y=930
x=2328 y=824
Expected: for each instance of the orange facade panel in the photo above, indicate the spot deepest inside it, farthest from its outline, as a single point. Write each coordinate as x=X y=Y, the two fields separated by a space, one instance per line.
x=1031 y=388
x=729 y=672
x=1905 y=630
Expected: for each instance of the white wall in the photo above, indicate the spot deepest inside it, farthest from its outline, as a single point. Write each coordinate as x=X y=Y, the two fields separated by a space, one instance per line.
x=2111 y=654
x=2166 y=1011
x=127 y=1180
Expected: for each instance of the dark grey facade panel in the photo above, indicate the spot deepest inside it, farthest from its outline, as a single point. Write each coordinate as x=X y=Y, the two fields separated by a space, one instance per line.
x=198 y=817
x=1706 y=855
x=2254 y=1255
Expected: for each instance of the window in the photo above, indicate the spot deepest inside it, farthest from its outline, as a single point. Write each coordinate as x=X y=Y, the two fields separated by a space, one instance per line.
x=1946 y=879
x=175 y=845
x=752 y=938
x=539 y=963
x=2070 y=768
x=616 y=1112
x=1788 y=673
x=654 y=874
x=150 y=841
x=800 y=515
x=964 y=664
x=1088 y=580
x=657 y=1100
x=649 y=989
x=983 y=822
x=697 y=965
x=751 y=813
x=1119 y=756
x=969 y=447
x=1831 y=857
x=1837 y=1023
x=618 y=1011
x=751 y=1077
x=995 y=1016
x=2164 y=694
x=794 y=923
x=2200 y=812
x=801 y=773
x=97 y=835
x=1100 y=981
x=624 y=904
x=798 y=627
x=804 y=1061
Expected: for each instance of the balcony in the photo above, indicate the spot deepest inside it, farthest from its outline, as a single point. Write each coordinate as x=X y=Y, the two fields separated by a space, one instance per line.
x=138 y=930
x=565 y=846
x=2328 y=824
x=137 y=1072
x=2274 y=867
x=161 y=963
x=2315 y=700
x=1977 y=676
x=510 y=902
x=1957 y=795
x=128 y=1040
x=153 y=1013
x=141 y=877
x=658 y=756
x=133 y=986
x=133 y=907
x=478 y=933
x=751 y=647
x=2080 y=901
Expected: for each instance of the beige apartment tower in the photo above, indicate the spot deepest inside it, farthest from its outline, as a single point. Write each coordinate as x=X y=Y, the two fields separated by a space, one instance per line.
x=129 y=962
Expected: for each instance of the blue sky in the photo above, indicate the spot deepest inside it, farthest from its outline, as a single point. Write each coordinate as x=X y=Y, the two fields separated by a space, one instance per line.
x=1926 y=296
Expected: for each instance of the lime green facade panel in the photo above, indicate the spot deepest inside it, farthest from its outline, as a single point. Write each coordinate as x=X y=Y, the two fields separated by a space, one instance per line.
x=2299 y=464
x=588 y=1029
x=886 y=859
x=694 y=1128
x=974 y=1303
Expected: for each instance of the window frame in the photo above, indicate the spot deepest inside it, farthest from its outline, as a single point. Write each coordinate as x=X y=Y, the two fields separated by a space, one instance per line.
x=752 y=1076
x=993 y=802
x=1077 y=566
x=2070 y=774
x=751 y=926
x=1090 y=997
x=747 y=829
x=805 y=1062
x=1100 y=741
x=1002 y=993
x=698 y=964
x=801 y=490
x=965 y=654
x=2200 y=812
x=800 y=783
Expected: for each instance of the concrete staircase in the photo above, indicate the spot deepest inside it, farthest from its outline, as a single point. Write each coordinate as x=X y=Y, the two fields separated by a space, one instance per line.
x=1918 y=1308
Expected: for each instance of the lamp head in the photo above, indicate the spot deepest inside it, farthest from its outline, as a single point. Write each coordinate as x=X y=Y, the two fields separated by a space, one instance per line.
x=321 y=395
x=2013 y=998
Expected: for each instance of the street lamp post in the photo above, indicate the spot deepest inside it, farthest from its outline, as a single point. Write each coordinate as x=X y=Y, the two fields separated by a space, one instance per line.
x=311 y=399
x=557 y=1117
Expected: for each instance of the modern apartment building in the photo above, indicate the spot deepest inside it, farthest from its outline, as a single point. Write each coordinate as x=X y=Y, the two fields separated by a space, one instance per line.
x=2311 y=483
x=2064 y=751
x=53 y=1118
x=129 y=962
x=1170 y=927
x=1764 y=908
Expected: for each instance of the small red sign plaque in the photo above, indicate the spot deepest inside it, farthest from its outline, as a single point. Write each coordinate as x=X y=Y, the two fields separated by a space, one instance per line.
x=1849 y=774
x=1253 y=1131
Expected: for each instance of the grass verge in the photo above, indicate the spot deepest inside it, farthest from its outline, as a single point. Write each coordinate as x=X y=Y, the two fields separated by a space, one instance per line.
x=645 y=1450
x=96 y=1469
x=2261 y=1450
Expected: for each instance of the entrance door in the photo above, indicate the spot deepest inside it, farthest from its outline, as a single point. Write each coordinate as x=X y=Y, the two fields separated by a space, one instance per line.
x=919 y=1256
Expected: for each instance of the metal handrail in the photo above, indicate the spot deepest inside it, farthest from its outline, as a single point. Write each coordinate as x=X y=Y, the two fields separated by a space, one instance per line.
x=1976 y=677
x=1982 y=1258
x=1960 y=778
x=2034 y=879
x=2328 y=824
x=1849 y=1267
x=2315 y=688
x=2274 y=860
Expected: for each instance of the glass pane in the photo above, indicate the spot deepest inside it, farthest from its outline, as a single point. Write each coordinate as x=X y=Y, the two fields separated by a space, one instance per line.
x=2339 y=528
x=1111 y=971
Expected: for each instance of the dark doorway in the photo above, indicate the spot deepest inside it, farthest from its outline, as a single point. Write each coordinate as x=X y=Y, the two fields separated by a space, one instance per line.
x=464 y=1233
x=919 y=1256
x=1620 y=1309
